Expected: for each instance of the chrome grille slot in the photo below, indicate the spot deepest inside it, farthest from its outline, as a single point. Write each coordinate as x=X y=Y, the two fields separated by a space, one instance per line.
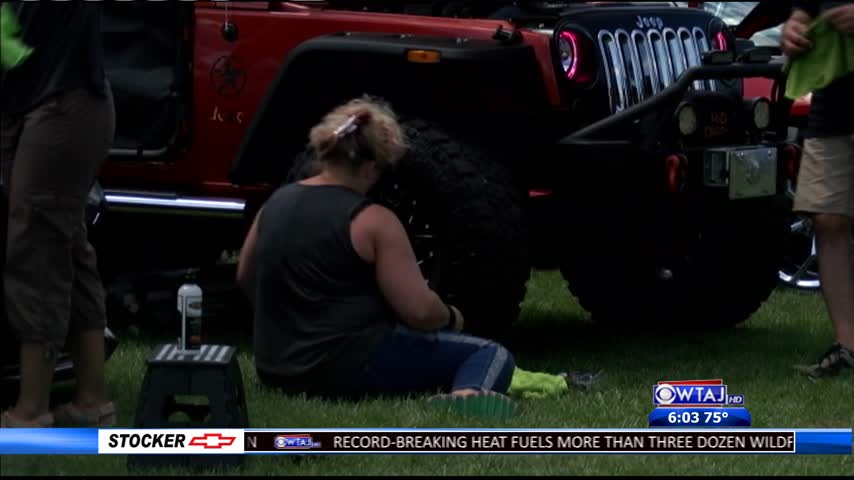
x=665 y=66
x=632 y=66
x=639 y=64
x=703 y=47
x=674 y=49
x=692 y=53
x=614 y=71
x=648 y=65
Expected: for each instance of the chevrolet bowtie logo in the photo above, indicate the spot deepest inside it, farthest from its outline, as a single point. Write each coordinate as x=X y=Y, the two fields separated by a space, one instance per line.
x=212 y=440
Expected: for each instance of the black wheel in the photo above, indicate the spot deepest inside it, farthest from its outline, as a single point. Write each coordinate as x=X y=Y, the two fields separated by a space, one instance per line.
x=465 y=220
x=714 y=275
x=799 y=269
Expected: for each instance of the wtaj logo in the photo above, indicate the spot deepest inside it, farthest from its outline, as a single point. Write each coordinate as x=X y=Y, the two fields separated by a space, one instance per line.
x=295 y=442
x=693 y=393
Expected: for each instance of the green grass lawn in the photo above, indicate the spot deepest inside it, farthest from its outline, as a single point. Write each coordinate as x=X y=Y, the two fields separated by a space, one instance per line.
x=555 y=334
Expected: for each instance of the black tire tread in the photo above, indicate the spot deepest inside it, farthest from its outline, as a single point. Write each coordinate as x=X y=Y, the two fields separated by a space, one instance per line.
x=487 y=231
x=733 y=272
x=486 y=261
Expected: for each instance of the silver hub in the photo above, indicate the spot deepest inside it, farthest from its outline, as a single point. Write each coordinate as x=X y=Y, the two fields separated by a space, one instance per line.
x=800 y=266
x=421 y=233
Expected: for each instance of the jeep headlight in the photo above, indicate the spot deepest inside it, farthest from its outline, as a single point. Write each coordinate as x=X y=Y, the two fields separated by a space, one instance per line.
x=575 y=54
x=568 y=49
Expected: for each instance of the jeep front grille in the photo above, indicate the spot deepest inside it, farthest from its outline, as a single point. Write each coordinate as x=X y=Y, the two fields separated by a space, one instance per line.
x=640 y=64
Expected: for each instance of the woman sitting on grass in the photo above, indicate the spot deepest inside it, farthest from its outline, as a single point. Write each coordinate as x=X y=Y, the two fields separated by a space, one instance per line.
x=341 y=307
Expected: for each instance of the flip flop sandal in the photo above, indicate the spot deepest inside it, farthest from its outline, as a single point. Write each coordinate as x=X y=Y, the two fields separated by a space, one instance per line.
x=72 y=416
x=483 y=405
x=7 y=420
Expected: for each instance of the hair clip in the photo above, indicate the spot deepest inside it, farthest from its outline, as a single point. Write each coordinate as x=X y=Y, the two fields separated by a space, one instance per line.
x=351 y=125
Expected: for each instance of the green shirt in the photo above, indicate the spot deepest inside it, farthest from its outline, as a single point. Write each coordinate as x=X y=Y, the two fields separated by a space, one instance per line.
x=12 y=50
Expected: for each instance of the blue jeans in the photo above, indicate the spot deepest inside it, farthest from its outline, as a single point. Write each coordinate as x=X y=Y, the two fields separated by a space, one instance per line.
x=410 y=361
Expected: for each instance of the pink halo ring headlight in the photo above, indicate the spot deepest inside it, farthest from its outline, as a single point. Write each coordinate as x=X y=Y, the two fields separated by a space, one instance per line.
x=568 y=49
x=721 y=42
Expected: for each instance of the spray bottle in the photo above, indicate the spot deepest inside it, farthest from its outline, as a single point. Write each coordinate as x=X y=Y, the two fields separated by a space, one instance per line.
x=190 y=311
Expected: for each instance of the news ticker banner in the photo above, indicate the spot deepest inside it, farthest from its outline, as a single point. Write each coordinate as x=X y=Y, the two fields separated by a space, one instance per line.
x=62 y=441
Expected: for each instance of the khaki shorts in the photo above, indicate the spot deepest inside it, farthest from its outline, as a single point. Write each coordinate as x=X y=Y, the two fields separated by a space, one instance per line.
x=826 y=178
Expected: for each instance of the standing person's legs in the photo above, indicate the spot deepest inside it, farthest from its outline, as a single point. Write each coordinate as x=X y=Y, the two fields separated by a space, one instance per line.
x=833 y=245
x=410 y=361
x=826 y=190
x=35 y=369
x=59 y=150
x=88 y=317
x=91 y=405
x=88 y=311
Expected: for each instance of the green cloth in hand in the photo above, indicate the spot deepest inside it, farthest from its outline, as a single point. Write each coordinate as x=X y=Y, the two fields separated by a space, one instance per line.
x=12 y=50
x=831 y=57
x=527 y=384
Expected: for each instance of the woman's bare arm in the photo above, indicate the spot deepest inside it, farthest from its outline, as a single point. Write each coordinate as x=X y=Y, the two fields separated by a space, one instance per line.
x=246 y=264
x=379 y=237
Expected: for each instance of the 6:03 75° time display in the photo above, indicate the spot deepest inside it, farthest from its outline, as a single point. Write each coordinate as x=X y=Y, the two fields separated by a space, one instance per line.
x=700 y=417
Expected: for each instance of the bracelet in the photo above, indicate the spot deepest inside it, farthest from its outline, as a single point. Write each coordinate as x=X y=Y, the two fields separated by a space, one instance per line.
x=452 y=318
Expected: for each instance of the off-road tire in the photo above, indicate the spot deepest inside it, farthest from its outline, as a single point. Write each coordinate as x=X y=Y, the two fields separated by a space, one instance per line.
x=729 y=270
x=468 y=198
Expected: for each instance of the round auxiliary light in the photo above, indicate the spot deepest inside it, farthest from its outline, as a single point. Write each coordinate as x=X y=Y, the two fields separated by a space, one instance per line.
x=686 y=117
x=761 y=113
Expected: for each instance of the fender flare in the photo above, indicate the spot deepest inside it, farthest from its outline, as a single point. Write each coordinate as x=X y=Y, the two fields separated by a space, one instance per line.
x=325 y=71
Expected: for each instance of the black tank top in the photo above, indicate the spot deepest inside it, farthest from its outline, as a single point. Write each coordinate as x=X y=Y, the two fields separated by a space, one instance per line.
x=67 y=54
x=318 y=309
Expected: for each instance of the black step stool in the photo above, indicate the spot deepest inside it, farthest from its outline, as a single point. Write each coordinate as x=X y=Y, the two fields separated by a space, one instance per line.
x=213 y=373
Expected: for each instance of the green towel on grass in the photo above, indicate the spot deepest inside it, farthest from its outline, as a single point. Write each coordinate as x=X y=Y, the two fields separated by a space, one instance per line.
x=12 y=51
x=831 y=57
x=527 y=384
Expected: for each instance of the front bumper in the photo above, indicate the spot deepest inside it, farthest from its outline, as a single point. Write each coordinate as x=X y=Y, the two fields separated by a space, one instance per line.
x=733 y=170
x=745 y=172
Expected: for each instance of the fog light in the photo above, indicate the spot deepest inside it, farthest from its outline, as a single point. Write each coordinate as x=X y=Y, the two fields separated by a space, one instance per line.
x=761 y=113
x=686 y=117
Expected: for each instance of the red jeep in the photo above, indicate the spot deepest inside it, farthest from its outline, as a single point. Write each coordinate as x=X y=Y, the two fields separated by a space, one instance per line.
x=611 y=140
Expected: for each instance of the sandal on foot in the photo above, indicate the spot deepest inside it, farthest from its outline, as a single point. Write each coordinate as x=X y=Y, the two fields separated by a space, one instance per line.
x=7 y=420
x=73 y=416
x=484 y=404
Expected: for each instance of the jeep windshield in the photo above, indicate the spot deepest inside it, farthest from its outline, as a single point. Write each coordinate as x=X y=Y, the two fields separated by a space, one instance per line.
x=734 y=12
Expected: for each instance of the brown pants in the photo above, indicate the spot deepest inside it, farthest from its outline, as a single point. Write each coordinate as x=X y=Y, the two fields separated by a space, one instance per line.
x=50 y=157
